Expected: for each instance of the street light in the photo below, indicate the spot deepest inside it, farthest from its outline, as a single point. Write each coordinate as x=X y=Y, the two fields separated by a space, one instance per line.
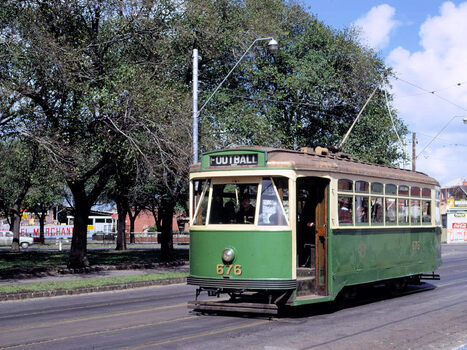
x=272 y=46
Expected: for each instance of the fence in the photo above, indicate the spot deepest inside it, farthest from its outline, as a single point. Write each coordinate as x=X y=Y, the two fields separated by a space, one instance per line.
x=142 y=237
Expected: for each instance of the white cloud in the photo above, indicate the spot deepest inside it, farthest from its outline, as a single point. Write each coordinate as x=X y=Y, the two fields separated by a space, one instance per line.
x=377 y=25
x=439 y=67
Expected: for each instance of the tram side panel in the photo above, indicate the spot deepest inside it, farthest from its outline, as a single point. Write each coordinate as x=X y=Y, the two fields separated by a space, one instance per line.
x=368 y=255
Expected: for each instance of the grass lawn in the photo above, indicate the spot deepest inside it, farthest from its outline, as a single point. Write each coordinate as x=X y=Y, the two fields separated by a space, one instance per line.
x=26 y=258
x=88 y=282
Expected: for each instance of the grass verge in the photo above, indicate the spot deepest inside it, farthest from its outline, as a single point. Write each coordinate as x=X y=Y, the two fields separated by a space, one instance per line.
x=88 y=282
x=96 y=257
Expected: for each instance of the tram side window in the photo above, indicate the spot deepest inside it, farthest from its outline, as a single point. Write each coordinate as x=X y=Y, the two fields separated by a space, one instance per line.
x=376 y=187
x=415 y=191
x=403 y=211
x=426 y=192
x=345 y=210
x=390 y=210
x=361 y=186
x=271 y=206
x=391 y=189
x=437 y=206
x=200 y=201
x=361 y=211
x=414 y=211
x=376 y=210
x=426 y=212
x=345 y=185
x=404 y=190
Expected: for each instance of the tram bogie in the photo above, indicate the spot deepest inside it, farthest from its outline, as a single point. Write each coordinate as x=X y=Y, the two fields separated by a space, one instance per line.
x=274 y=228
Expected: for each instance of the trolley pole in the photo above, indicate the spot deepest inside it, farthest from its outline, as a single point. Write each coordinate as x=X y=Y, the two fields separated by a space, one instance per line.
x=414 y=153
x=195 y=106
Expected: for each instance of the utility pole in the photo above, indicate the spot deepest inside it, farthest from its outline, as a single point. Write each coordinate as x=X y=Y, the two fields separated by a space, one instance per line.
x=414 y=153
x=195 y=106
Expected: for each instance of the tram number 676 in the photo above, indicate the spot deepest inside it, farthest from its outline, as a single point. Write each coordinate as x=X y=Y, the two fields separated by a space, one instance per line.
x=227 y=269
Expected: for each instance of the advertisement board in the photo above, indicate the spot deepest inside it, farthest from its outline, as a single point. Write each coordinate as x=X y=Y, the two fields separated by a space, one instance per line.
x=457 y=227
x=50 y=231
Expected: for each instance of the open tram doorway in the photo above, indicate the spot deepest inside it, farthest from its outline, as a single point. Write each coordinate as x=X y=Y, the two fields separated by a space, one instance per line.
x=312 y=215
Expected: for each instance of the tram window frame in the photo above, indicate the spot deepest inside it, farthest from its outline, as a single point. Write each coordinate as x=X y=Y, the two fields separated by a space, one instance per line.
x=377 y=188
x=406 y=214
x=281 y=213
x=403 y=190
x=426 y=192
x=347 y=210
x=437 y=206
x=361 y=217
x=415 y=212
x=379 y=213
x=343 y=182
x=415 y=191
x=390 y=189
x=206 y=185
x=361 y=183
x=426 y=219
x=386 y=216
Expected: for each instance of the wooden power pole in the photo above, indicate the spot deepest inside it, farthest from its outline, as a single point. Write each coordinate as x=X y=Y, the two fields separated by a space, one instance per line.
x=414 y=153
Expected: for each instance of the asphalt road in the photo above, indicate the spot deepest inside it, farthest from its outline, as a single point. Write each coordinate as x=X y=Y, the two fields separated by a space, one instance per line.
x=433 y=316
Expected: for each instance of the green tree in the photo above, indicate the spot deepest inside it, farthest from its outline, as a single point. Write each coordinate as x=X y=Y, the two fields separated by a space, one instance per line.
x=306 y=94
x=18 y=161
x=63 y=63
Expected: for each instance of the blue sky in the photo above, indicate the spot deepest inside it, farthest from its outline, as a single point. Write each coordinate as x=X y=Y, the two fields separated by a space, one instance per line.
x=425 y=42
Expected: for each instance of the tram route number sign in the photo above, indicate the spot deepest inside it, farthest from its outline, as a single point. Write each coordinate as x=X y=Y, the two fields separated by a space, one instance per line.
x=233 y=160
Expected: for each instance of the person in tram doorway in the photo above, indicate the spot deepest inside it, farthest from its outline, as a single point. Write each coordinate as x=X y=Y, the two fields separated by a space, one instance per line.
x=309 y=230
x=246 y=213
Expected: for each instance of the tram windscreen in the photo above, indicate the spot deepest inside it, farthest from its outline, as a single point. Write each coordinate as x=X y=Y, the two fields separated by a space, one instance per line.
x=233 y=204
x=263 y=203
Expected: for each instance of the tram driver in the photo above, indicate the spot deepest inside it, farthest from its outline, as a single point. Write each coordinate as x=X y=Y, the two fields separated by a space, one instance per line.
x=246 y=213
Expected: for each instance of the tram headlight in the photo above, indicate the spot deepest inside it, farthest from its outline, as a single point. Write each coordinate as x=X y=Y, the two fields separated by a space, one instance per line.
x=228 y=256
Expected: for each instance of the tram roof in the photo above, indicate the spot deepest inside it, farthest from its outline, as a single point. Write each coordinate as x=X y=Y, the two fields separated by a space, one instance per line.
x=321 y=160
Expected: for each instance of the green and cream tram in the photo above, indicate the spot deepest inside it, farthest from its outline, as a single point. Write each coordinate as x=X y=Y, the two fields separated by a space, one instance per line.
x=273 y=227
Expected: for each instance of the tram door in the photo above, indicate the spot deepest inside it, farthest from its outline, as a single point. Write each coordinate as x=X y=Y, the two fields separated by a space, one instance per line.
x=312 y=202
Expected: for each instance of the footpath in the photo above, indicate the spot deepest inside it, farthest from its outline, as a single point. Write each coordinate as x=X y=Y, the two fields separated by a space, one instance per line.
x=110 y=274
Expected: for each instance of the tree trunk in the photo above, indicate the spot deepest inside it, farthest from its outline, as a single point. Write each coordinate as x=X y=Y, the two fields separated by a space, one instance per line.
x=132 y=216
x=166 y=215
x=78 y=257
x=14 y=227
x=15 y=214
x=121 y=239
x=41 y=226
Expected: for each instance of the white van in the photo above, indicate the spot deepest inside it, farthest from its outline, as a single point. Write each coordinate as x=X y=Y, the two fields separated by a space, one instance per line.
x=6 y=238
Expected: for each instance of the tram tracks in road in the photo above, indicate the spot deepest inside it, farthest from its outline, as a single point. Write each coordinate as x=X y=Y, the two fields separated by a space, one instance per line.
x=30 y=327
x=93 y=333
x=96 y=305
x=242 y=325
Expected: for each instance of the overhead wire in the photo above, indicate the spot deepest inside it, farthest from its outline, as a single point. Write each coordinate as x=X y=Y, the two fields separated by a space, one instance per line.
x=434 y=93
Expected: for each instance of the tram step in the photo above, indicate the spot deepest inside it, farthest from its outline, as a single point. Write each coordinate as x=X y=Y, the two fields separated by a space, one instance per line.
x=305 y=285
x=305 y=272
x=226 y=305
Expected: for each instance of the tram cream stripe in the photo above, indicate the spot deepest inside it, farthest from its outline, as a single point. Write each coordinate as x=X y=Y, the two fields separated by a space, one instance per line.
x=222 y=330
x=42 y=325
x=97 y=332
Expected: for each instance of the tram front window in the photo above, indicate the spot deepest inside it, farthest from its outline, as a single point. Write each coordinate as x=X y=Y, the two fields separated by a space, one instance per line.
x=235 y=203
